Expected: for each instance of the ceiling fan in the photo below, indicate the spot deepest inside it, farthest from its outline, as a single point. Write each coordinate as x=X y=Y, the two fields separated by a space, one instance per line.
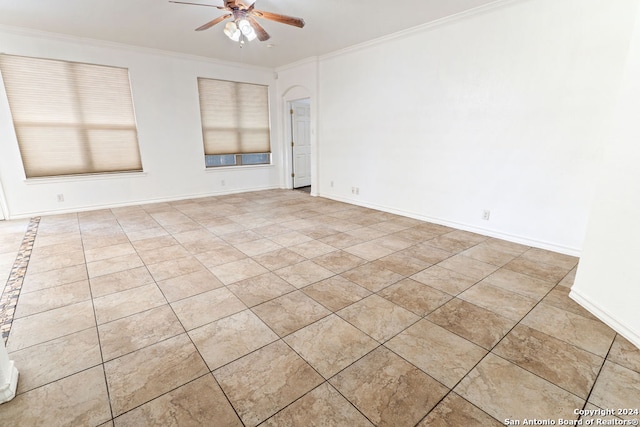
x=244 y=24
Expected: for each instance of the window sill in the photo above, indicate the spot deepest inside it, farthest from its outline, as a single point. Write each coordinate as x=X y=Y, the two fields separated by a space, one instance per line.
x=238 y=167
x=80 y=178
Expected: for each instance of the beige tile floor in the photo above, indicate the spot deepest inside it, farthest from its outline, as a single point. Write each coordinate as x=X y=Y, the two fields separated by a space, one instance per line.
x=279 y=309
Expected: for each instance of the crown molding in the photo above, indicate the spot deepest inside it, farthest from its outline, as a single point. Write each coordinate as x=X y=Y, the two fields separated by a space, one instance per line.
x=306 y=61
x=429 y=26
x=28 y=32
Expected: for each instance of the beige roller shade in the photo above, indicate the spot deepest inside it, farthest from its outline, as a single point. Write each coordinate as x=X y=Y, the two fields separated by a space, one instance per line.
x=71 y=118
x=235 y=117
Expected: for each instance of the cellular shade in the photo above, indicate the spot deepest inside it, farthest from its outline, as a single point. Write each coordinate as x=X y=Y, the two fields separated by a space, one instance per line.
x=71 y=118
x=235 y=117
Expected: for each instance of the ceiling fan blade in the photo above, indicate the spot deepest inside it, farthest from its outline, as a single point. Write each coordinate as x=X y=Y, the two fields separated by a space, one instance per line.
x=214 y=22
x=283 y=19
x=198 y=4
x=260 y=32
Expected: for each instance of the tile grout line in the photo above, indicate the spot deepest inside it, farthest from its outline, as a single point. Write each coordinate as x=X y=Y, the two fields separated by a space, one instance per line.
x=95 y=318
x=11 y=292
x=595 y=381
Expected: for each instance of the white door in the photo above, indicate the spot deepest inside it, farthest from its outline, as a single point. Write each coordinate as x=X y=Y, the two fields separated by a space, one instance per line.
x=301 y=143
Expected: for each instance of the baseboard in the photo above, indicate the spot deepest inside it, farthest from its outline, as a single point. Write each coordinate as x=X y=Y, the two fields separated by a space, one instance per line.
x=607 y=318
x=141 y=202
x=461 y=226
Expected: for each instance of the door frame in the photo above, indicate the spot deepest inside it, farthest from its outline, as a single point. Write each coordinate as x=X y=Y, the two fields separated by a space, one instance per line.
x=297 y=93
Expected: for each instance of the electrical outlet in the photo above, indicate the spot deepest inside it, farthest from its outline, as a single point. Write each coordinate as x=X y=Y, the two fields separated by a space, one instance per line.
x=331 y=184
x=357 y=190
x=223 y=183
x=486 y=214
x=60 y=197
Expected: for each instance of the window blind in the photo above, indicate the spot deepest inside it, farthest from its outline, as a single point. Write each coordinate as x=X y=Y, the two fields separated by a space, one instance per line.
x=235 y=117
x=71 y=118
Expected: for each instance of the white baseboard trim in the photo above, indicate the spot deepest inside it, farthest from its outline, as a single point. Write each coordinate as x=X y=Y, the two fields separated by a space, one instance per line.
x=610 y=320
x=141 y=202
x=466 y=227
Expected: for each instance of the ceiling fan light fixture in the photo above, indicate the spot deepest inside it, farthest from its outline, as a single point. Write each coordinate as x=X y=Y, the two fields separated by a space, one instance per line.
x=251 y=36
x=232 y=31
x=245 y=27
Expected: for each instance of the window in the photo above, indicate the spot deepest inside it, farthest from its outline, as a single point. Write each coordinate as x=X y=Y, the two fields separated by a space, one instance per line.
x=71 y=118
x=256 y=159
x=212 y=161
x=235 y=123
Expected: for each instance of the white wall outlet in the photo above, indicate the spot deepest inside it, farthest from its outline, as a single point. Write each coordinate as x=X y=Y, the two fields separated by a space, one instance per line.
x=357 y=190
x=486 y=214
x=60 y=197
x=331 y=184
x=223 y=183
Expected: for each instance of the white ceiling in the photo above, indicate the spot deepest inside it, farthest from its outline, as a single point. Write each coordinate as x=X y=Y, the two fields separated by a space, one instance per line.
x=331 y=24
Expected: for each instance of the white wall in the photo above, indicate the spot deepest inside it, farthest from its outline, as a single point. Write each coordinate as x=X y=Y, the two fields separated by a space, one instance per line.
x=502 y=110
x=608 y=278
x=165 y=96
